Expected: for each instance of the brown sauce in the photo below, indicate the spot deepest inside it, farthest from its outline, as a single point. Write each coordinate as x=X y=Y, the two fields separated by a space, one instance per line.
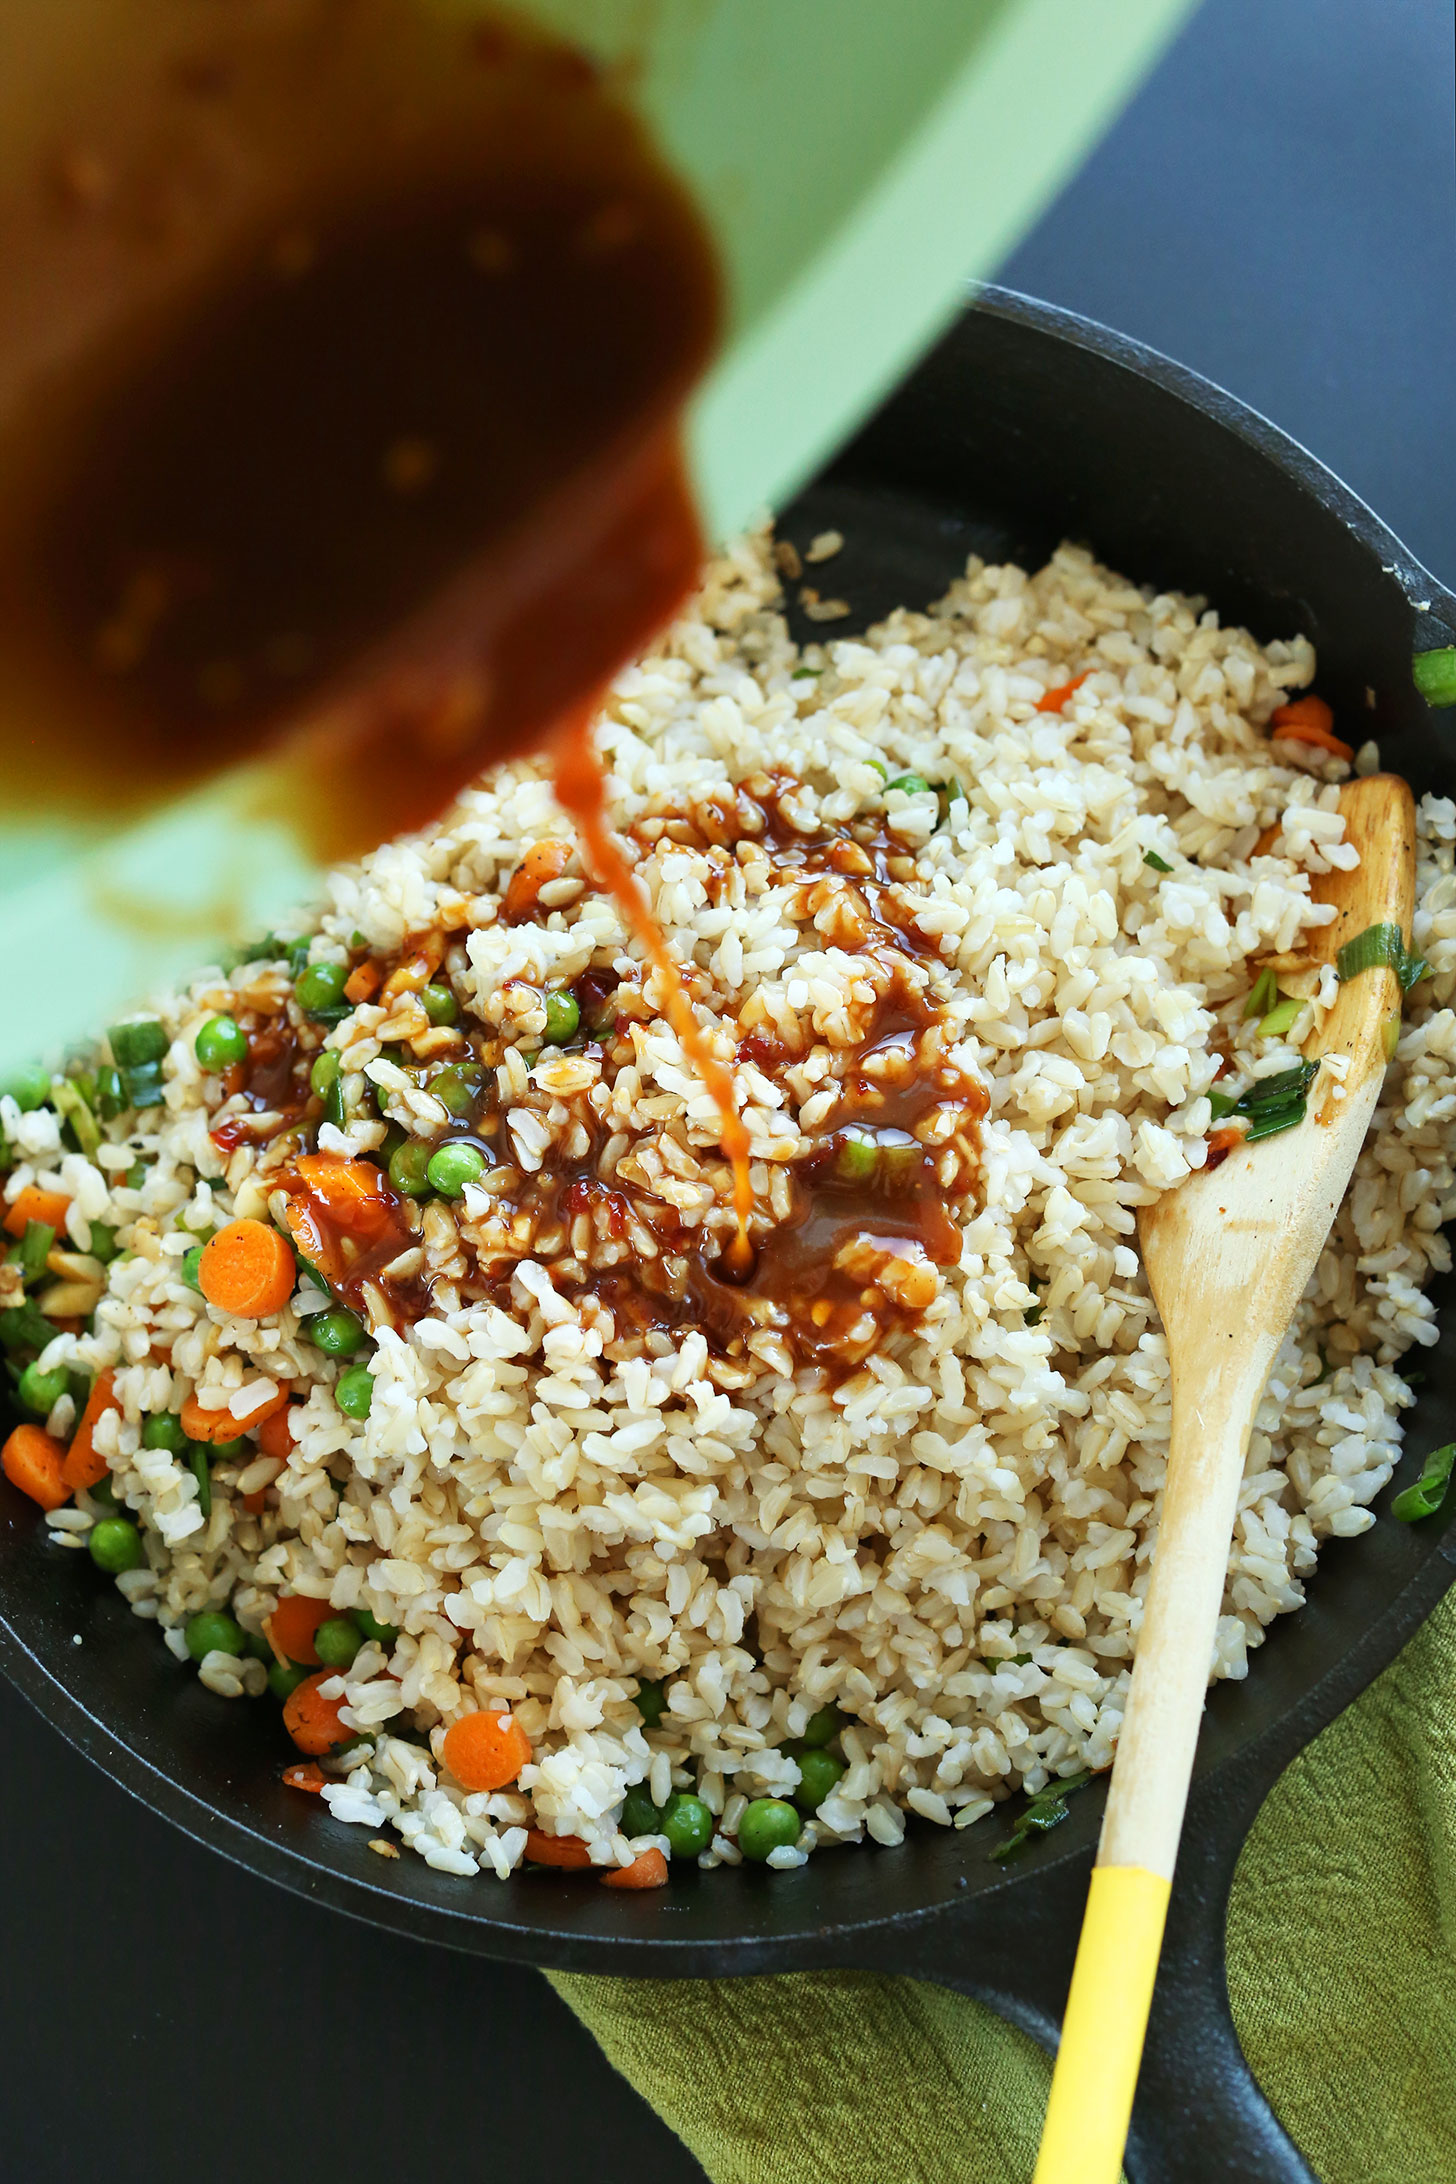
x=351 y=426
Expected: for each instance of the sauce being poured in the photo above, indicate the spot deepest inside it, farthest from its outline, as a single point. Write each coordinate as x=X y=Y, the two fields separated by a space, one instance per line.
x=342 y=350
x=367 y=452
x=580 y=790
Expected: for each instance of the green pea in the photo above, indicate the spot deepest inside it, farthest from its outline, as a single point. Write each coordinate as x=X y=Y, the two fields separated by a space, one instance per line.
x=164 y=1430
x=284 y=1679
x=453 y=1166
x=324 y=1074
x=29 y=1087
x=40 y=1392
x=257 y=1647
x=213 y=1632
x=339 y=1333
x=337 y=1641
x=818 y=1773
x=651 y=1699
x=115 y=1545
x=103 y=1493
x=230 y=1452
x=562 y=1018
x=221 y=1042
x=407 y=1166
x=439 y=1004
x=767 y=1824
x=857 y=1155
x=192 y=1267
x=687 y=1823
x=458 y=1088
x=639 y=1815
x=909 y=784
x=320 y=987
x=355 y=1391
x=383 y=1634
x=823 y=1728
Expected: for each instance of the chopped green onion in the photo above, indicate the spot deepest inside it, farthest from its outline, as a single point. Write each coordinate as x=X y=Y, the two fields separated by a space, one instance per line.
x=110 y=1092
x=1281 y=1019
x=878 y=766
x=1271 y=1104
x=24 y=1329
x=1264 y=995
x=142 y=1084
x=909 y=784
x=1380 y=947
x=1047 y=1810
x=70 y=1104
x=33 y=1250
x=1434 y=674
x=197 y=1461
x=1032 y=1314
x=1426 y=1496
x=137 y=1043
x=1159 y=864
x=803 y=674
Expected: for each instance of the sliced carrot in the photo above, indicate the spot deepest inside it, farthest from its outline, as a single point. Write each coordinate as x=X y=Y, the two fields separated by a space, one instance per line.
x=290 y=1628
x=31 y=1459
x=305 y=1775
x=567 y=1851
x=543 y=861
x=34 y=1204
x=647 y=1871
x=1321 y=742
x=487 y=1750
x=1306 y=712
x=312 y=1720
x=1052 y=701
x=256 y=1502
x=200 y=1424
x=1309 y=720
x=275 y=1433
x=247 y=1269
x=84 y=1464
x=362 y=982
x=345 y=1186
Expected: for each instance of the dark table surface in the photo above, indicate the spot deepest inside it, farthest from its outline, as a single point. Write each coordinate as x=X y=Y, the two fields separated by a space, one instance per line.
x=1276 y=210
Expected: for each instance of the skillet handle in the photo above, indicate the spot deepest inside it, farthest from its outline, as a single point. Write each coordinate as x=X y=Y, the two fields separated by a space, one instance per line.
x=1199 y=2116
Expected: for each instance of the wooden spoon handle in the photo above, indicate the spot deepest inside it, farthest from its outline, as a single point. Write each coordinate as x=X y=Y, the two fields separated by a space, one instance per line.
x=1228 y=1256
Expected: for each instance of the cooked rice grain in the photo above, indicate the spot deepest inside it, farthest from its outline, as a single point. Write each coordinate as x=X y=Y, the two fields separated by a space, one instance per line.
x=953 y=1545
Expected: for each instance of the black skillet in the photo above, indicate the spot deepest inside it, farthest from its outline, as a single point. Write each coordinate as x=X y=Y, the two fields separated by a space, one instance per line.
x=1024 y=426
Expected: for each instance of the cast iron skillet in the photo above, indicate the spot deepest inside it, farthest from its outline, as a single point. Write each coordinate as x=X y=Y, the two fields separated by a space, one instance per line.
x=1024 y=426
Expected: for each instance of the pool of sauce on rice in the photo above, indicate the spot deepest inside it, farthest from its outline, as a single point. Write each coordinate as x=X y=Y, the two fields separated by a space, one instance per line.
x=872 y=1202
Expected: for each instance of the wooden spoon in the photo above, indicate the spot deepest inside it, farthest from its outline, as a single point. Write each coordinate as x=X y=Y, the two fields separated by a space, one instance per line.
x=1228 y=1255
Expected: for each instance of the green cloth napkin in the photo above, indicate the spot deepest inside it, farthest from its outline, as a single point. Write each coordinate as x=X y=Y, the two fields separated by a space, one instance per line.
x=1342 y=1970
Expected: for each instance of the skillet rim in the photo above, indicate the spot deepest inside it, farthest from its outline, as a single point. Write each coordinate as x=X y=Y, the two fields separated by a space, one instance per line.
x=888 y=1936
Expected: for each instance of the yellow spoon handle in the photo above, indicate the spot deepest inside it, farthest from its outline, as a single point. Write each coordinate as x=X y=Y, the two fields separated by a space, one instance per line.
x=1102 y=2034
